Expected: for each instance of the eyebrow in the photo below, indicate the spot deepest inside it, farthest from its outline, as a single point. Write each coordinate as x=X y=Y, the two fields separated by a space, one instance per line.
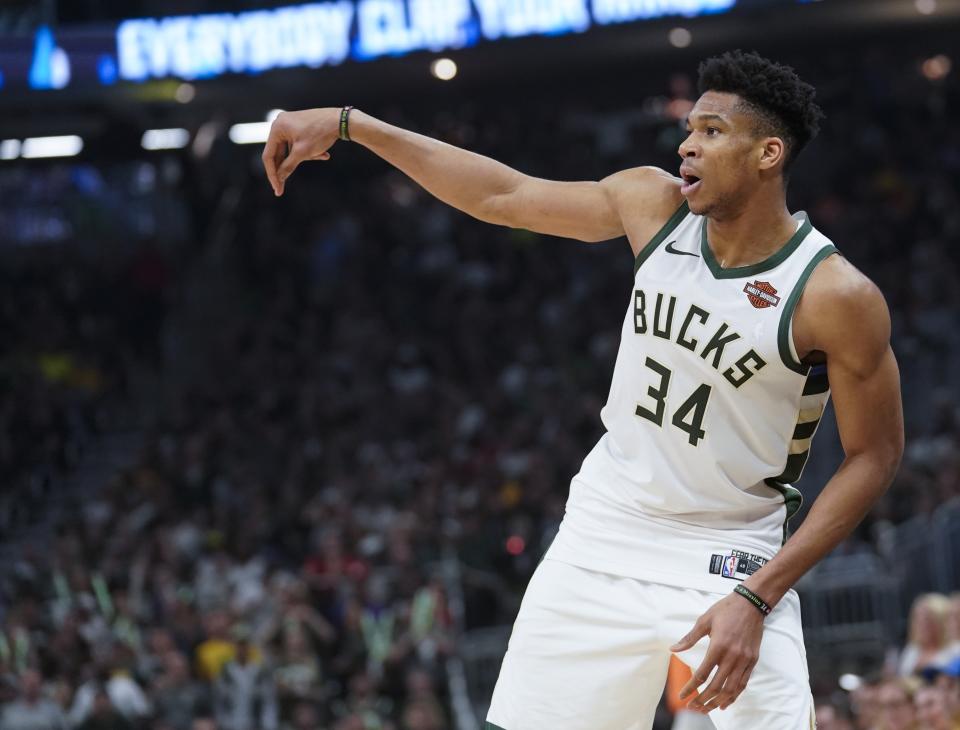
x=707 y=117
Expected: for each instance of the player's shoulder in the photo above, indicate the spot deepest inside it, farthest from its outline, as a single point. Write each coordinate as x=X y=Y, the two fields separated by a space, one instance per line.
x=648 y=175
x=836 y=282
x=645 y=184
x=645 y=198
x=844 y=307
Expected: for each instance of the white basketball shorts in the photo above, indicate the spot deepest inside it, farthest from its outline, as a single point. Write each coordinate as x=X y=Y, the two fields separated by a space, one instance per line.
x=589 y=651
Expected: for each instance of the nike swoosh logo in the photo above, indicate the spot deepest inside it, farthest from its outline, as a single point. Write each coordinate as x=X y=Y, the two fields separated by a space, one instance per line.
x=671 y=249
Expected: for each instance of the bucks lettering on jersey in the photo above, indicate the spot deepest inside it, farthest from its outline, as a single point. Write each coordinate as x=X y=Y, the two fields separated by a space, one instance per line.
x=710 y=414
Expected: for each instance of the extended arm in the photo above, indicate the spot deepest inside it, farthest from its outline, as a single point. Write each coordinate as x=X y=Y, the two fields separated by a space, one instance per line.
x=843 y=315
x=853 y=329
x=479 y=186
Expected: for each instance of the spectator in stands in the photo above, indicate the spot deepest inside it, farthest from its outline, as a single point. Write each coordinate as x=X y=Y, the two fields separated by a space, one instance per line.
x=949 y=683
x=244 y=692
x=953 y=626
x=217 y=648
x=298 y=670
x=178 y=698
x=351 y=722
x=933 y=709
x=895 y=711
x=927 y=639
x=422 y=708
x=864 y=704
x=830 y=717
x=304 y=717
x=364 y=700
x=114 y=678
x=32 y=711
x=103 y=715
x=302 y=631
x=350 y=653
x=126 y=693
x=421 y=715
x=152 y=659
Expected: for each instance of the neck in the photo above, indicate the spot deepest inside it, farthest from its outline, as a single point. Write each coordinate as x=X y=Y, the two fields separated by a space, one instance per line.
x=750 y=234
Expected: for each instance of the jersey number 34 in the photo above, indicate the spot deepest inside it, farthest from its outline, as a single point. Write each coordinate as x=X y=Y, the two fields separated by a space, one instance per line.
x=688 y=417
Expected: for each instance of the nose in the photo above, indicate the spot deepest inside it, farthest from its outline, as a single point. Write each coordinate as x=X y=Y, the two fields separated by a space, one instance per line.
x=688 y=149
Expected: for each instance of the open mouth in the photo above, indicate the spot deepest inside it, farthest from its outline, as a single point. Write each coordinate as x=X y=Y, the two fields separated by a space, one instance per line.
x=690 y=183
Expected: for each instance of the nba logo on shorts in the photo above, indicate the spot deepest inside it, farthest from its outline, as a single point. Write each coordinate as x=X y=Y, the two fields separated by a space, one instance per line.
x=729 y=566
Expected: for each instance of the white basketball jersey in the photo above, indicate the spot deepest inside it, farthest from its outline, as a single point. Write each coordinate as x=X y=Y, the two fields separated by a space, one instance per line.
x=709 y=419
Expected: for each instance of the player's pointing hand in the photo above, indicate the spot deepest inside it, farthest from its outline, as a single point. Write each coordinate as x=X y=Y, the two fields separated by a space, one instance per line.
x=295 y=137
x=735 y=629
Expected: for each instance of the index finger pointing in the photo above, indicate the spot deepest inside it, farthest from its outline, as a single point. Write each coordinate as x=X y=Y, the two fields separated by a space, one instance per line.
x=269 y=158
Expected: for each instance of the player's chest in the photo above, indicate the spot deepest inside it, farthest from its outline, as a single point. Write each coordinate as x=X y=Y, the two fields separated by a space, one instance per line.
x=727 y=329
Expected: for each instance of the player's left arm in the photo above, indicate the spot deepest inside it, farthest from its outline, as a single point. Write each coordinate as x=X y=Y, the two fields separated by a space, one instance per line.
x=843 y=315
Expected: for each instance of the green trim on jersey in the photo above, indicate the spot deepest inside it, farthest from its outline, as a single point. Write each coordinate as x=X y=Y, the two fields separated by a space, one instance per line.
x=792 y=500
x=768 y=263
x=803 y=433
x=667 y=229
x=490 y=726
x=805 y=430
x=786 y=316
x=816 y=384
x=792 y=469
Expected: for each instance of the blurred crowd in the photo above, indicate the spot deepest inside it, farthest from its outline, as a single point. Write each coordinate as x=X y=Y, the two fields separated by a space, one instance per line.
x=364 y=384
x=61 y=370
x=84 y=282
x=919 y=690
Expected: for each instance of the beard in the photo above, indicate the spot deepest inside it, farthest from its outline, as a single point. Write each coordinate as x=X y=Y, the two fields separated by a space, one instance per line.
x=718 y=207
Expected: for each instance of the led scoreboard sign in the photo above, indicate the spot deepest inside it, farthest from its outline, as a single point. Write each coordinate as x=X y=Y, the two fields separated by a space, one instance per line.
x=329 y=33
x=309 y=35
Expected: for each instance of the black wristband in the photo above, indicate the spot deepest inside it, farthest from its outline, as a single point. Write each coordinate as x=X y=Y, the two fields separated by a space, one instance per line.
x=344 y=123
x=762 y=606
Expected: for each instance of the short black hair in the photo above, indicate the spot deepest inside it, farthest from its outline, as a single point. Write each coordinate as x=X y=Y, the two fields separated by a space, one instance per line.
x=782 y=103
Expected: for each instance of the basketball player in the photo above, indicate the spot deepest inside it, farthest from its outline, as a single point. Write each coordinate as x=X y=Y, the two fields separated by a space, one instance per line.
x=741 y=321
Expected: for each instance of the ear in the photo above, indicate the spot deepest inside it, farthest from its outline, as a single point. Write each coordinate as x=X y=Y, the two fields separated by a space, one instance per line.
x=773 y=153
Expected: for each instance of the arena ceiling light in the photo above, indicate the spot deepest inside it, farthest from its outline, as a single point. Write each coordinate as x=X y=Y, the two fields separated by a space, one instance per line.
x=444 y=68
x=850 y=682
x=680 y=37
x=185 y=93
x=66 y=145
x=249 y=133
x=9 y=149
x=165 y=139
